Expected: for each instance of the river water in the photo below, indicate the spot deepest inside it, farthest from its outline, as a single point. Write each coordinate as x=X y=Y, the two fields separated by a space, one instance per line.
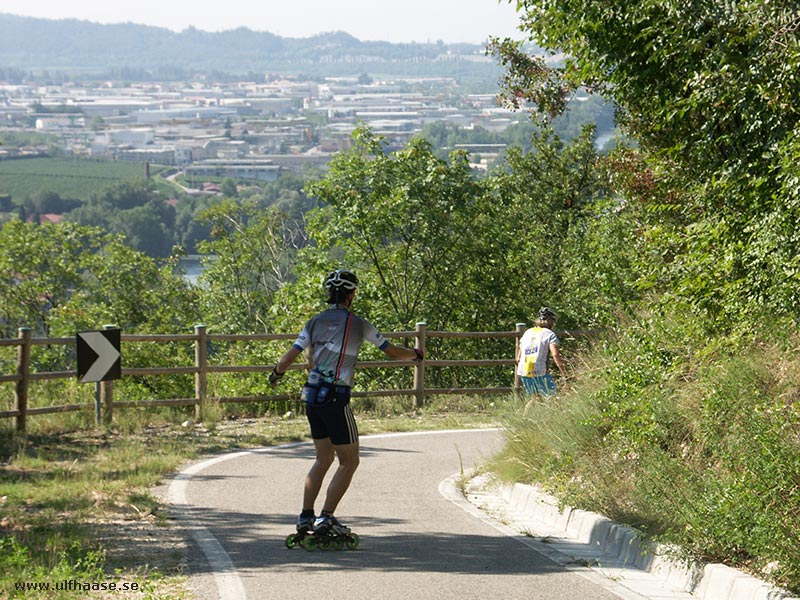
x=192 y=267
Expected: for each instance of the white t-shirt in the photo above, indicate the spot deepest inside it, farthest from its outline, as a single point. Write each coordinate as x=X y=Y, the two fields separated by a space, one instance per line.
x=534 y=347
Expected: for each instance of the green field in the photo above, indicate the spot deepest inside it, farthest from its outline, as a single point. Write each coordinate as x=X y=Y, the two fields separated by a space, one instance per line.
x=70 y=178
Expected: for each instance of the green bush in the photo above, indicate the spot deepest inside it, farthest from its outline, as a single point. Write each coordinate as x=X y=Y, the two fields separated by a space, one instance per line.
x=694 y=441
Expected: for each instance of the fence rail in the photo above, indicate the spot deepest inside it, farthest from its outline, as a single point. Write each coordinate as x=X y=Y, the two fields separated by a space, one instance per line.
x=104 y=391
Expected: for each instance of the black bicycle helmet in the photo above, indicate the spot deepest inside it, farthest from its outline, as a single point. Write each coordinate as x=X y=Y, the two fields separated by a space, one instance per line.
x=547 y=314
x=341 y=279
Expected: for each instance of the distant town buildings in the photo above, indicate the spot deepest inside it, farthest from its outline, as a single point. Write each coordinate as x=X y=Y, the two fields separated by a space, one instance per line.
x=246 y=130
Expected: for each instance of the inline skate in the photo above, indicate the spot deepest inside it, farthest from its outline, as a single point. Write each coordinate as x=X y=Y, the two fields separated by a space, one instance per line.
x=327 y=533
x=304 y=528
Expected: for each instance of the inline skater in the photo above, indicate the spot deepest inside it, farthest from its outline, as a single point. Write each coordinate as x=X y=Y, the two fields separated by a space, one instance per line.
x=333 y=337
x=535 y=347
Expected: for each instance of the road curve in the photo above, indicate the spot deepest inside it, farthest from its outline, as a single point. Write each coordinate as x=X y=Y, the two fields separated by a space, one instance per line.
x=239 y=507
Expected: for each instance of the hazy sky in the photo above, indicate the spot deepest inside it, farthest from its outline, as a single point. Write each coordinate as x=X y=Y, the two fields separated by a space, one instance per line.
x=390 y=20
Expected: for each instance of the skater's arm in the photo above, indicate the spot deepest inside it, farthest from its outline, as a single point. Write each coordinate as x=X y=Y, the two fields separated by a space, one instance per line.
x=557 y=359
x=287 y=359
x=401 y=353
x=284 y=363
x=391 y=350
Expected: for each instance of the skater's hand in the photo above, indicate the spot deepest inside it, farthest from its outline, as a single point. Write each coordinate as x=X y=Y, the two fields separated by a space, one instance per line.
x=275 y=377
x=419 y=353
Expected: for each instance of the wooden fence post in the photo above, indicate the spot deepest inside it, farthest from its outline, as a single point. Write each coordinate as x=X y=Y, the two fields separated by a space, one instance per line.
x=521 y=327
x=419 y=368
x=23 y=372
x=106 y=390
x=200 y=377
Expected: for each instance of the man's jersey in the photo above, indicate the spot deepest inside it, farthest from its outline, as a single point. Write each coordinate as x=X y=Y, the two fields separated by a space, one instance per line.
x=335 y=337
x=534 y=347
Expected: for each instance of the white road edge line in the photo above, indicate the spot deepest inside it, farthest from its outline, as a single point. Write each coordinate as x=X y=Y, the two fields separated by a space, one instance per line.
x=229 y=584
x=450 y=490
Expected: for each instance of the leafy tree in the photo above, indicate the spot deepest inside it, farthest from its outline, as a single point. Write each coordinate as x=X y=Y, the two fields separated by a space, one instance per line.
x=229 y=188
x=412 y=221
x=135 y=209
x=97 y=123
x=707 y=91
x=40 y=267
x=554 y=207
x=124 y=195
x=253 y=254
x=705 y=203
x=62 y=278
x=435 y=244
x=189 y=229
x=148 y=228
x=49 y=202
x=131 y=290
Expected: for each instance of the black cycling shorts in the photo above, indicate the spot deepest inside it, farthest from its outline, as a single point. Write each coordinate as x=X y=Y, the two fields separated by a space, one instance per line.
x=334 y=420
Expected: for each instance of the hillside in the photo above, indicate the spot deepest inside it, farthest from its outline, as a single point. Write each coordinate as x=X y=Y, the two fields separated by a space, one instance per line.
x=84 y=47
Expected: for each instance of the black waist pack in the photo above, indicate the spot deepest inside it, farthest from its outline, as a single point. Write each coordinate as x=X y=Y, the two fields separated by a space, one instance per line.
x=323 y=393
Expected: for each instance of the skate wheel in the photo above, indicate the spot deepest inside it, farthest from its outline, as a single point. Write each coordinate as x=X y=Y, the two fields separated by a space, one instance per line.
x=338 y=544
x=291 y=540
x=308 y=543
x=352 y=541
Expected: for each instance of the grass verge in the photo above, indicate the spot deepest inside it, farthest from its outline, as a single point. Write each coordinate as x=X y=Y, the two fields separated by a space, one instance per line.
x=693 y=440
x=76 y=506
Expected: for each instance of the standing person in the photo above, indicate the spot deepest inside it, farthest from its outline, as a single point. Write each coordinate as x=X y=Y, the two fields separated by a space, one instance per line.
x=535 y=347
x=334 y=338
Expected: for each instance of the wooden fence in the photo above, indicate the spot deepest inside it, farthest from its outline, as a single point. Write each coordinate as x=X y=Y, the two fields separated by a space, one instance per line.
x=105 y=402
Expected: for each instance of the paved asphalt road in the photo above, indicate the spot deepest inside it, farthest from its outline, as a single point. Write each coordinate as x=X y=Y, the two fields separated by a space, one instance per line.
x=415 y=543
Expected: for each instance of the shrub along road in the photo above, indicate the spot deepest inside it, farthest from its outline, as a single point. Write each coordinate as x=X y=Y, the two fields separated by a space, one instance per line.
x=240 y=507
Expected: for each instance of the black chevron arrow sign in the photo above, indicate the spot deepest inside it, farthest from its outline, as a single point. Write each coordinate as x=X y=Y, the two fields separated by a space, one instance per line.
x=99 y=356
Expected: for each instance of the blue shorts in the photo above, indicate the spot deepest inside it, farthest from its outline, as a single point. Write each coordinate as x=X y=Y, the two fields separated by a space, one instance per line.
x=544 y=385
x=334 y=420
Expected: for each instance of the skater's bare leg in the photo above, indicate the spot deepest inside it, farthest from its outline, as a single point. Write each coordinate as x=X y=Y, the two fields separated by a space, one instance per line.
x=325 y=455
x=348 y=463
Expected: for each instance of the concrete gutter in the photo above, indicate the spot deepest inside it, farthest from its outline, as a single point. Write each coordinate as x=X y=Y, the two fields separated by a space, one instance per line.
x=617 y=551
